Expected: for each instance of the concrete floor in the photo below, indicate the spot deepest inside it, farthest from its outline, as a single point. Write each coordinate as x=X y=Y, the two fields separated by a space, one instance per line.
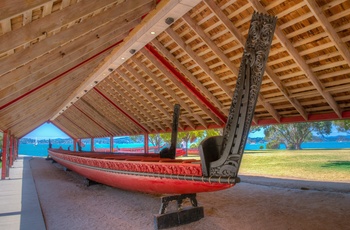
x=19 y=204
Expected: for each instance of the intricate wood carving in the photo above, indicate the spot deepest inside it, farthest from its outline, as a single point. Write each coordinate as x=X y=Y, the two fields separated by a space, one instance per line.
x=244 y=100
x=134 y=166
x=171 y=152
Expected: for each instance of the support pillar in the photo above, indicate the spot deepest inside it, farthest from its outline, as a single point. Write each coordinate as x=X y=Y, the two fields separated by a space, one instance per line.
x=5 y=156
x=75 y=145
x=111 y=144
x=92 y=144
x=146 y=147
x=16 y=148
x=11 y=151
x=17 y=145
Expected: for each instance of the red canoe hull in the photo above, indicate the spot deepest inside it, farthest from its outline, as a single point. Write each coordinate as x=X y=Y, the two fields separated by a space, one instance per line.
x=140 y=182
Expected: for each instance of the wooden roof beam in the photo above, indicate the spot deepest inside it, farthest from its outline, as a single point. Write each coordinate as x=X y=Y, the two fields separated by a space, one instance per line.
x=83 y=121
x=131 y=102
x=154 y=21
x=170 y=92
x=343 y=49
x=300 y=61
x=62 y=57
x=73 y=123
x=190 y=76
x=122 y=125
x=52 y=22
x=216 y=50
x=176 y=77
x=269 y=108
x=122 y=111
x=62 y=123
x=151 y=88
x=97 y=115
x=240 y=38
x=224 y=58
x=178 y=40
x=144 y=94
x=93 y=120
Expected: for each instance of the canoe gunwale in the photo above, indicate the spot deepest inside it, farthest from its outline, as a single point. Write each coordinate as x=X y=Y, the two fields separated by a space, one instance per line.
x=221 y=180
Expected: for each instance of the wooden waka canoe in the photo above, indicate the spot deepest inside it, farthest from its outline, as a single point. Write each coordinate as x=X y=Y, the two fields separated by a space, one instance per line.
x=220 y=156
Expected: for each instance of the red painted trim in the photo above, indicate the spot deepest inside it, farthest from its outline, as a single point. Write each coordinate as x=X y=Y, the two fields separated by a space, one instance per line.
x=186 y=83
x=122 y=111
x=58 y=76
x=76 y=125
x=110 y=134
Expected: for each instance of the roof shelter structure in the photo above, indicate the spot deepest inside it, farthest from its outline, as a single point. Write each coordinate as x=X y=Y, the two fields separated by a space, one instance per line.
x=113 y=68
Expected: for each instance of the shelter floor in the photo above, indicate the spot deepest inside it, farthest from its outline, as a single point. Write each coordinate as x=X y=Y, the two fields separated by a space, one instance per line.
x=19 y=204
x=255 y=203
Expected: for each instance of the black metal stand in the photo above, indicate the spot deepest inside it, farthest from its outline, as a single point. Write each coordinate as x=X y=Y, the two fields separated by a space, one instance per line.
x=183 y=215
x=89 y=182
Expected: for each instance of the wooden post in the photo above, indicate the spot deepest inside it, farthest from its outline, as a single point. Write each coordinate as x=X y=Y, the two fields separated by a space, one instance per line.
x=146 y=143
x=4 y=169
x=92 y=144
x=11 y=151
x=111 y=144
x=75 y=145
x=16 y=148
x=175 y=125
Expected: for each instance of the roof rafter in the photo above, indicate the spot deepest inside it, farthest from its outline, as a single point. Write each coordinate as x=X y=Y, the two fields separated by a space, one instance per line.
x=72 y=122
x=159 y=95
x=332 y=34
x=300 y=61
x=131 y=99
x=189 y=75
x=95 y=99
x=93 y=120
x=217 y=51
x=240 y=38
x=170 y=92
x=122 y=111
x=182 y=83
x=144 y=94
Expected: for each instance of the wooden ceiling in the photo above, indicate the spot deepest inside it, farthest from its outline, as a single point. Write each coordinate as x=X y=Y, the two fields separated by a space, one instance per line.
x=94 y=69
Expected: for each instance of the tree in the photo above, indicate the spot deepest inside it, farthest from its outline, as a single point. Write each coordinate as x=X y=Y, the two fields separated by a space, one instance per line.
x=193 y=138
x=342 y=125
x=293 y=135
x=190 y=137
x=156 y=140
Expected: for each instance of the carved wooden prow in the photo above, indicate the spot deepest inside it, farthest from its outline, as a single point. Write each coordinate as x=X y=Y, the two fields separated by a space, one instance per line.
x=171 y=152
x=221 y=156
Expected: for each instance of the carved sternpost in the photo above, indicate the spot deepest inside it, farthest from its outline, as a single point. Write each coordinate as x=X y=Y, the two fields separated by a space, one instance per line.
x=244 y=100
x=175 y=125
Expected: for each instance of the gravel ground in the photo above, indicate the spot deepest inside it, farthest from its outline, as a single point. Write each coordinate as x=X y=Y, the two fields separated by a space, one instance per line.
x=255 y=203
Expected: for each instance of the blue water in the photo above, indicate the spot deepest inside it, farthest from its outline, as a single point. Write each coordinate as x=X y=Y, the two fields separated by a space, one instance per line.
x=41 y=149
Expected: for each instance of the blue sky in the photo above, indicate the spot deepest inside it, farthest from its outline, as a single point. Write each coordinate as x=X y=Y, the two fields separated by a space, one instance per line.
x=46 y=131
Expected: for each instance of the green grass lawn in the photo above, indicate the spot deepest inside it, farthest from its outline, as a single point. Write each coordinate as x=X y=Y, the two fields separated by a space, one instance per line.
x=322 y=165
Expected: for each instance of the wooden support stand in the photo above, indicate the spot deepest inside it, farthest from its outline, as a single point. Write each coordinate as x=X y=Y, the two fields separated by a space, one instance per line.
x=184 y=215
